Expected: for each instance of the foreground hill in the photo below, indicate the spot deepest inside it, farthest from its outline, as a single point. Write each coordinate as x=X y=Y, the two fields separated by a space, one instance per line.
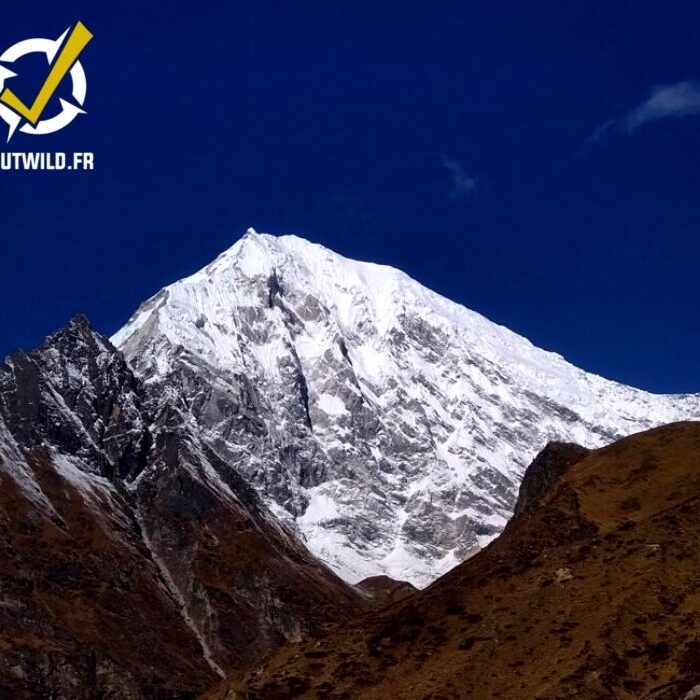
x=591 y=592
x=133 y=562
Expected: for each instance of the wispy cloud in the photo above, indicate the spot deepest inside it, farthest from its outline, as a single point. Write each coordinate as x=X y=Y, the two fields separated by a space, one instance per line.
x=665 y=102
x=462 y=181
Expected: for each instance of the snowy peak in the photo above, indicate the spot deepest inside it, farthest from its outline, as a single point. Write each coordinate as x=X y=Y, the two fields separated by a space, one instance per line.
x=390 y=425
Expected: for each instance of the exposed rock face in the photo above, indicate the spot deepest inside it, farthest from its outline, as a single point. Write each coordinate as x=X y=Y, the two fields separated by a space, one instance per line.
x=389 y=425
x=592 y=594
x=383 y=590
x=546 y=469
x=134 y=563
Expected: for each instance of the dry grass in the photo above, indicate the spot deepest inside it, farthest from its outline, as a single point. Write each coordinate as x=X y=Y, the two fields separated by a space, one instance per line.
x=595 y=594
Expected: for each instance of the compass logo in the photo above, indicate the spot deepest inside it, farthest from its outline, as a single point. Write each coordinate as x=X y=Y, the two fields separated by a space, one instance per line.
x=62 y=55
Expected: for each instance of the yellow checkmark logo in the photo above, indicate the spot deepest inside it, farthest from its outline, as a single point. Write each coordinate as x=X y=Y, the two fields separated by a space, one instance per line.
x=79 y=37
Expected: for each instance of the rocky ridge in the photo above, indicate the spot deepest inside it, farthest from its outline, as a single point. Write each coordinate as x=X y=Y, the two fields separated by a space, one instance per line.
x=133 y=562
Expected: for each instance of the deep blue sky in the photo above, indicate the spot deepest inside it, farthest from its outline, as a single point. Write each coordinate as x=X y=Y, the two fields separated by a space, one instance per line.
x=452 y=140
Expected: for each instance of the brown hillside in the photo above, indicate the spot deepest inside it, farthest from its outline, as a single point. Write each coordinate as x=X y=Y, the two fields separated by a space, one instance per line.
x=594 y=592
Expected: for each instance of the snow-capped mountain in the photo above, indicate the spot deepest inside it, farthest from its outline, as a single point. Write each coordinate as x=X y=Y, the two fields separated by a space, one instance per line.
x=390 y=425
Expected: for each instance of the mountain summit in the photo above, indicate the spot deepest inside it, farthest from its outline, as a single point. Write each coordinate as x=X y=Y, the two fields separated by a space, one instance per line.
x=390 y=426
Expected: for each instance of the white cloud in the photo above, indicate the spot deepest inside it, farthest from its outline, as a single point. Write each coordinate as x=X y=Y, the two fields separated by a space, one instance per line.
x=462 y=182
x=665 y=102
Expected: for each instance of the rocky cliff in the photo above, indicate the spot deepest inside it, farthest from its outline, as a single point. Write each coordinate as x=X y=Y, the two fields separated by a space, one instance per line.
x=134 y=563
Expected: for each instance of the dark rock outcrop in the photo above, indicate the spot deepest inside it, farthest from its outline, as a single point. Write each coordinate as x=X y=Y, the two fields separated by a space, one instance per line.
x=546 y=469
x=383 y=590
x=134 y=562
